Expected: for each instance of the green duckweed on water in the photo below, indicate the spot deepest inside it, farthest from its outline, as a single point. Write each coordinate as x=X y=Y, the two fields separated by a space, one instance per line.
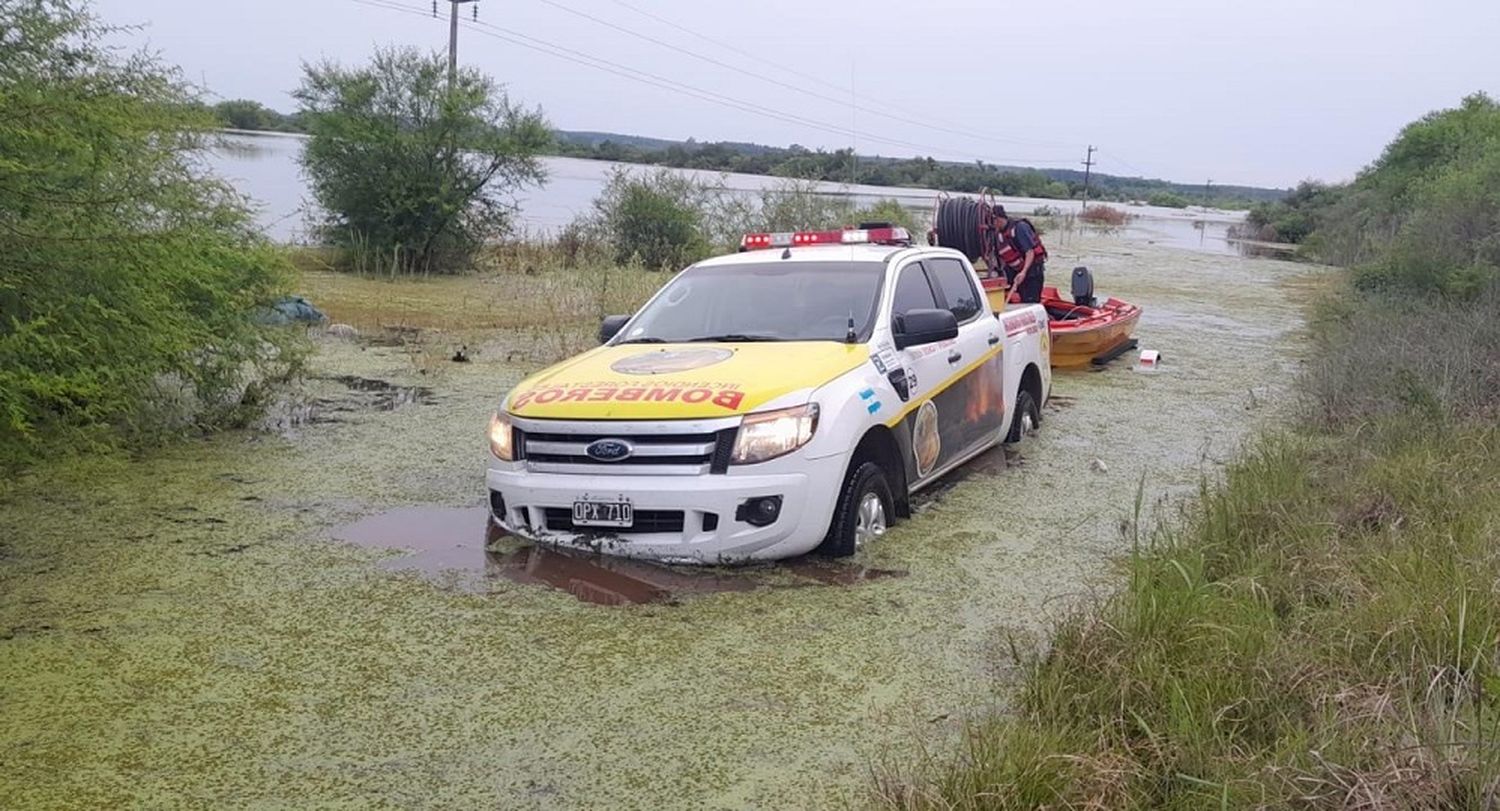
x=183 y=629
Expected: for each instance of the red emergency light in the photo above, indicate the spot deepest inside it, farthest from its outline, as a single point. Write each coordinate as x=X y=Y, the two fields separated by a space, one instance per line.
x=884 y=235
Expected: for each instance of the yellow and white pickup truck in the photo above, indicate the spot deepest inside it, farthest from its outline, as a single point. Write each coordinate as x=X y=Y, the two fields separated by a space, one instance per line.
x=784 y=399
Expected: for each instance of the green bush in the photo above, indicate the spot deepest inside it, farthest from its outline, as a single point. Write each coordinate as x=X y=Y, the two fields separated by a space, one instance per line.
x=656 y=218
x=244 y=114
x=124 y=271
x=1420 y=218
x=892 y=211
x=1166 y=199
x=798 y=205
x=1449 y=241
x=414 y=176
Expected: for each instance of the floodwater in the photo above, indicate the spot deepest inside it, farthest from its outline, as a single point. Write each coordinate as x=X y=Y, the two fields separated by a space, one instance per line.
x=264 y=167
x=461 y=548
x=256 y=620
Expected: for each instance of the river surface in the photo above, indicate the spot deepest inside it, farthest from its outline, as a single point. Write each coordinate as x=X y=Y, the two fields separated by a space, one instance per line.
x=313 y=618
x=264 y=167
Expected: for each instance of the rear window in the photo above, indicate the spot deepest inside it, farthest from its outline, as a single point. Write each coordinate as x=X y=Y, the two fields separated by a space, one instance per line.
x=957 y=285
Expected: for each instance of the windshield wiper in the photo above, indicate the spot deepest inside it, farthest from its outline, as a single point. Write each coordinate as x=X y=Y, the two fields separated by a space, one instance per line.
x=646 y=340
x=734 y=337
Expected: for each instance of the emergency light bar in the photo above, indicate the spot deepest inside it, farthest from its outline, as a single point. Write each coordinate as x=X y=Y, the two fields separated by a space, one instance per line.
x=848 y=236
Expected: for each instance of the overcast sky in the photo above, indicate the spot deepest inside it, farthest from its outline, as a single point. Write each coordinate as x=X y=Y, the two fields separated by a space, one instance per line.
x=1264 y=93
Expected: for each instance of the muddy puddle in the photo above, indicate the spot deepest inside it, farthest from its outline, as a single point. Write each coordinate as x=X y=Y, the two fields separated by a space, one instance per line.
x=463 y=548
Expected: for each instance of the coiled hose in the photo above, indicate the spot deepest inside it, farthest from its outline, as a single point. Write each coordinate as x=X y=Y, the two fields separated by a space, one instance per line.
x=960 y=224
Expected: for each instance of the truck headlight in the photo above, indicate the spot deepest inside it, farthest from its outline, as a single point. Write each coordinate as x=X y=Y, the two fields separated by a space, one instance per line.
x=502 y=438
x=770 y=434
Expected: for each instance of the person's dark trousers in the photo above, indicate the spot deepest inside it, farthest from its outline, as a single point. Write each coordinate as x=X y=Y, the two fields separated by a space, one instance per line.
x=1031 y=289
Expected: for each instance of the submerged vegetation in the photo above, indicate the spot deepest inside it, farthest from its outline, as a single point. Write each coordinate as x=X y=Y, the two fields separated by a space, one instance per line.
x=128 y=276
x=1322 y=628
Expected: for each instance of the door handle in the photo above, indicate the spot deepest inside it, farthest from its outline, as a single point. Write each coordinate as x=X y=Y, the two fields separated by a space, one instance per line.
x=994 y=339
x=955 y=356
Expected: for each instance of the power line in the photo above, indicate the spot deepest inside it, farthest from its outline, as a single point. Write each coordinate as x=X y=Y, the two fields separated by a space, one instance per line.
x=605 y=65
x=731 y=47
x=646 y=77
x=905 y=119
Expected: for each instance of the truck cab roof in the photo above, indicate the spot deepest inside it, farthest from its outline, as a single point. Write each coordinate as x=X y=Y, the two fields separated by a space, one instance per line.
x=821 y=253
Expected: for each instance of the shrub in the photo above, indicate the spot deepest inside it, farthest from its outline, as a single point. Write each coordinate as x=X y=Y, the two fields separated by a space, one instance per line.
x=1414 y=219
x=799 y=205
x=244 y=114
x=656 y=218
x=1166 y=199
x=1449 y=242
x=414 y=176
x=892 y=211
x=1296 y=217
x=123 y=268
x=1107 y=216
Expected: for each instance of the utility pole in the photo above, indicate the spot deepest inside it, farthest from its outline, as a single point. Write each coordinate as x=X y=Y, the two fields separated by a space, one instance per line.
x=1207 y=184
x=453 y=37
x=1088 y=165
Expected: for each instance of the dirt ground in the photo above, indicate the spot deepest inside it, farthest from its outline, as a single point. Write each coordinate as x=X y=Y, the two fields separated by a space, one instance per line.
x=225 y=623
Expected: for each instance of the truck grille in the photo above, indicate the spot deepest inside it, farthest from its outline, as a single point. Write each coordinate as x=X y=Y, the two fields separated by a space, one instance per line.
x=652 y=454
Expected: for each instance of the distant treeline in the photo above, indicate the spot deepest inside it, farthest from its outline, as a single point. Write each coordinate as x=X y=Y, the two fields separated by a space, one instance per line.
x=244 y=114
x=839 y=166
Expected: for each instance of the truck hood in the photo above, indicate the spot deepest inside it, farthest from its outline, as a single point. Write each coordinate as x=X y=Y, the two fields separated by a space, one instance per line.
x=679 y=381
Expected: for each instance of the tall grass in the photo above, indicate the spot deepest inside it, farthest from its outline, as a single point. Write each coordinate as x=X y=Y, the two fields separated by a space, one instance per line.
x=538 y=297
x=1320 y=630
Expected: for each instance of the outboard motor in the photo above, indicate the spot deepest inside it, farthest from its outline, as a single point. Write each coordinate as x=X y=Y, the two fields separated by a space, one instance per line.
x=1083 y=287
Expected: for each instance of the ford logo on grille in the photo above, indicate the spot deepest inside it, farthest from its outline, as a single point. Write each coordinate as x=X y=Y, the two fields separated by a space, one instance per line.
x=609 y=450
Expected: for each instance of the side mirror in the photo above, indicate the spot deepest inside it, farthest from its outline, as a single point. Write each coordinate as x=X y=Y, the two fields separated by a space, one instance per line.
x=612 y=326
x=916 y=327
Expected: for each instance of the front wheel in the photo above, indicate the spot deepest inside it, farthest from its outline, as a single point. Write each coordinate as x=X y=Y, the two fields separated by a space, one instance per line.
x=1026 y=419
x=863 y=512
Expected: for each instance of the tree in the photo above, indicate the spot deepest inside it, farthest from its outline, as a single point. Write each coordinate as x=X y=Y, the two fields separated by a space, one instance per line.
x=245 y=114
x=415 y=176
x=122 y=267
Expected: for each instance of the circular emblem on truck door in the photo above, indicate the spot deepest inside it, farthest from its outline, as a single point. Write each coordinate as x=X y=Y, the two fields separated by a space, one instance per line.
x=609 y=450
x=666 y=361
x=926 y=442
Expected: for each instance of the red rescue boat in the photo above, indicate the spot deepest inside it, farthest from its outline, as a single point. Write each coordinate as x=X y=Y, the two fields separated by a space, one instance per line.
x=1087 y=334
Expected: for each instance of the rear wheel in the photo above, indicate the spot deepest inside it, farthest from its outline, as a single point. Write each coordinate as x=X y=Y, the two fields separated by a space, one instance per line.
x=1026 y=419
x=864 y=512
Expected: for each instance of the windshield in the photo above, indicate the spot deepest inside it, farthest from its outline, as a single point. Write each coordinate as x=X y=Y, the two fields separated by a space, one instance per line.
x=771 y=301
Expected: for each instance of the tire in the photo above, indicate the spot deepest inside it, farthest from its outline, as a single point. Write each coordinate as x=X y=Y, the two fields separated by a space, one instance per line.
x=1026 y=419
x=855 y=519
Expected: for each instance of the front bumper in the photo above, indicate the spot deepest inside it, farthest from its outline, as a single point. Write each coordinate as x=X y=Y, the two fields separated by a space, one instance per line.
x=808 y=489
